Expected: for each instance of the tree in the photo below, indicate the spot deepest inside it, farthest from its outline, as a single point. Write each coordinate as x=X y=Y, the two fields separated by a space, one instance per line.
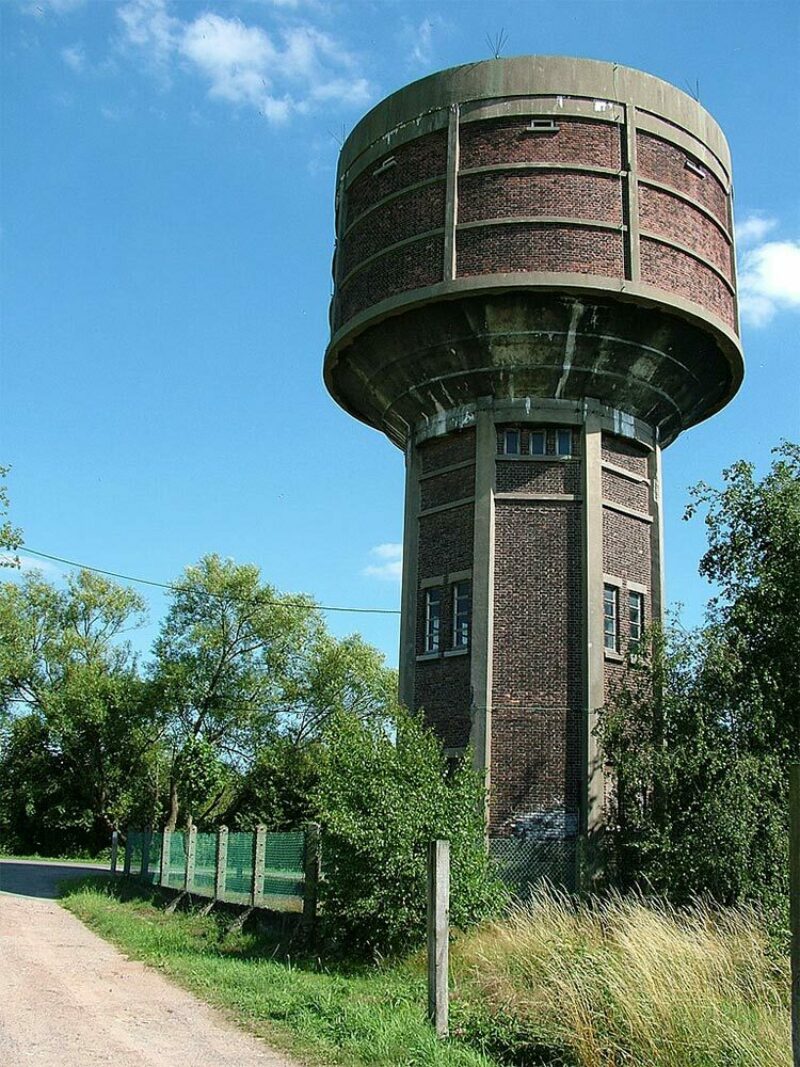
x=79 y=727
x=704 y=725
x=380 y=800
x=10 y=535
x=239 y=667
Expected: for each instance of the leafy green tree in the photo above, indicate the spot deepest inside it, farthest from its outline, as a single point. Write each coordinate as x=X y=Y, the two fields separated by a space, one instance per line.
x=704 y=725
x=10 y=535
x=239 y=667
x=381 y=799
x=69 y=684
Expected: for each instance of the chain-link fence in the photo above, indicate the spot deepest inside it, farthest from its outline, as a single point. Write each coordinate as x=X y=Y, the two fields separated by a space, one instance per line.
x=522 y=863
x=278 y=871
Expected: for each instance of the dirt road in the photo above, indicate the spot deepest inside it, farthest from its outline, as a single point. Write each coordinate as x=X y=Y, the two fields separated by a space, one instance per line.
x=68 y=999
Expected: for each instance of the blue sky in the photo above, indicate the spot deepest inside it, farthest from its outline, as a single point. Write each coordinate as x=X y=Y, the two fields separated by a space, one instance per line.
x=167 y=229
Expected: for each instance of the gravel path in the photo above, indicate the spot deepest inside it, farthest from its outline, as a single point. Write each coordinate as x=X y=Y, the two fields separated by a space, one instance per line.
x=69 y=999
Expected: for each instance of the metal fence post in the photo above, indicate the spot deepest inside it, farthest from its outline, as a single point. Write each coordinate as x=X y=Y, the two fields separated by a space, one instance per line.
x=794 y=902
x=222 y=862
x=166 y=852
x=191 y=851
x=126 y=867
x=114 y=847
x=438 y=935
x=259 y=859
x=146 y=839
x=311 y=872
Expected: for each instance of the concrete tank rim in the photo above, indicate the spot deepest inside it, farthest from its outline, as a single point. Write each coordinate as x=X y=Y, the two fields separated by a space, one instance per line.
x=454 y=85
x=728 y=343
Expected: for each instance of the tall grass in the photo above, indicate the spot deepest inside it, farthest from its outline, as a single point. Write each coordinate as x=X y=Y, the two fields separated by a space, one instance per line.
x=622 y=981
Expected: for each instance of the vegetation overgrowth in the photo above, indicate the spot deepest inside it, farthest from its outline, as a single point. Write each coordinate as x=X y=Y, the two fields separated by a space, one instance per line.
x=611 y=983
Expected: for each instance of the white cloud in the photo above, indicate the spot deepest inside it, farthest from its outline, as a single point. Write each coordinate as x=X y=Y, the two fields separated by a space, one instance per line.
x=769 y=272
x=753 y=229
x=422 y=50
x=74 y=57
x=291 y=72
x=390 y=562
x=26 y=564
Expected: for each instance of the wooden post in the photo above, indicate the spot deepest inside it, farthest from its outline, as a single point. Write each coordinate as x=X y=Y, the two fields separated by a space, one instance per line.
x=438 y=935
x=114 y=847
x=222 y=862
x=794 y=902
x=126 y=867
x=191 y=851
x=311 y=872
x=259 y=860
x=145 y=867
x=166 y=852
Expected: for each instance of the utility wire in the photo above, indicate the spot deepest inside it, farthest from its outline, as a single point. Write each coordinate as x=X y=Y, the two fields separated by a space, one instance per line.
x=305 y=602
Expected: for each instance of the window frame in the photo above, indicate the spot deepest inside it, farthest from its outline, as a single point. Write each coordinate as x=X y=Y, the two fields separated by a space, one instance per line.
x=568 y=431
x=635 y=596
x=461 y=618
x=537 y=434
x=613 y=617
x=432 y=635
x=516 y=432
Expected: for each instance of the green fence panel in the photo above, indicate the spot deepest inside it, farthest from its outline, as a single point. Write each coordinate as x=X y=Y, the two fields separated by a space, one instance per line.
x=135 y=843
x=524 y=864
x=154 y=856
x=284 y=864
x=205 y=864
x=176 y=871
x=239 y=868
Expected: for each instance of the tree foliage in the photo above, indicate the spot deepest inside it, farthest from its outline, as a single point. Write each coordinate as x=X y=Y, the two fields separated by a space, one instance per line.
x=702 y=730
x=380 y=801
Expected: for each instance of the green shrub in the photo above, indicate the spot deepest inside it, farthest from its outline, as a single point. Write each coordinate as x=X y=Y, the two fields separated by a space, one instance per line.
x=380 y=801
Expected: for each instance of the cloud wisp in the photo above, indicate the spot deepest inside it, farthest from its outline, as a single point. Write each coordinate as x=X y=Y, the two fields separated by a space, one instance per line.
x=769 y=271
x=293 y=71
x=388 y=565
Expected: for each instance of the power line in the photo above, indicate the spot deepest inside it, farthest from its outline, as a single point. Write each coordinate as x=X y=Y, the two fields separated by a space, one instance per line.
x=174 y=586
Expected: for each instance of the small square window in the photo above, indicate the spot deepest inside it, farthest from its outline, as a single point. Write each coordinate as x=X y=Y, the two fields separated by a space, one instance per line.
x=537 y=443
x=611 y=618
x=433 y=619
x=563 y=442
x=462 y=610
x=635 y=618
x=511 y=442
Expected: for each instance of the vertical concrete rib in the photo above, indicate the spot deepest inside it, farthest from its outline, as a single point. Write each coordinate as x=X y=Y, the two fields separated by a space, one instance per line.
x=408 y=600
x=451 y=195
x=631 y=190
x=594 y=787
x=482 y=640
x=656 y=536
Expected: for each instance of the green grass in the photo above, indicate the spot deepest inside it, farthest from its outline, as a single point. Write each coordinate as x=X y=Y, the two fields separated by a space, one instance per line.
x=332 y=1015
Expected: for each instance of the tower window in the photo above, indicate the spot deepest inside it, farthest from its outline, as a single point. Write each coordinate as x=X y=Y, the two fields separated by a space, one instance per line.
x=462 y=611
x=511 y=442
x=611 y=618
x=563 y=442
x=635 y=618
x=433 y=619
x=537 y=443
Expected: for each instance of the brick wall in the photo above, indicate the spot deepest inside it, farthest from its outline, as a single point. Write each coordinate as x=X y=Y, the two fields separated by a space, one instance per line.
x=407 y=215
x=445 y=451
x=626 y=547
x=676 y=220
x=537 y=476
x=665 y=162
x=570 y=194
x=625 y=453
x=623 y=491
x=424 y=157
x=530 y=247
x=537 y=661
x=493 y=141
x=677 y=272
x=409 y=267
x=444 y=488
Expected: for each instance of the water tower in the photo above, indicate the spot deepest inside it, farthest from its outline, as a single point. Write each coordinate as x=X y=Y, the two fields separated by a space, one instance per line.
x=535 y=293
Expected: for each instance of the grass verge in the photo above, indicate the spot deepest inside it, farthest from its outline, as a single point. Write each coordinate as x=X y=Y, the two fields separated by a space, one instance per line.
x=334 y=1015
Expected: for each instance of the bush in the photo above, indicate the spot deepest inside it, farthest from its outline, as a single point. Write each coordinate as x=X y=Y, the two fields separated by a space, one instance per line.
x=623 y=981
x=380 y=801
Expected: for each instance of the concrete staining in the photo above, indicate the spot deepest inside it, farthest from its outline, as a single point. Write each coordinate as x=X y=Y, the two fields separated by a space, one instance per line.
x=534 y=294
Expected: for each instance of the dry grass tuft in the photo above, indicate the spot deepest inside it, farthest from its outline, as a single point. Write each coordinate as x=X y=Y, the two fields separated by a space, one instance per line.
x=624 y=982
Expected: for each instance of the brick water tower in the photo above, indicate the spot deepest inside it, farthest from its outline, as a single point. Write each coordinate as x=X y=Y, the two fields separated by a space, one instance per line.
x=535 y=293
